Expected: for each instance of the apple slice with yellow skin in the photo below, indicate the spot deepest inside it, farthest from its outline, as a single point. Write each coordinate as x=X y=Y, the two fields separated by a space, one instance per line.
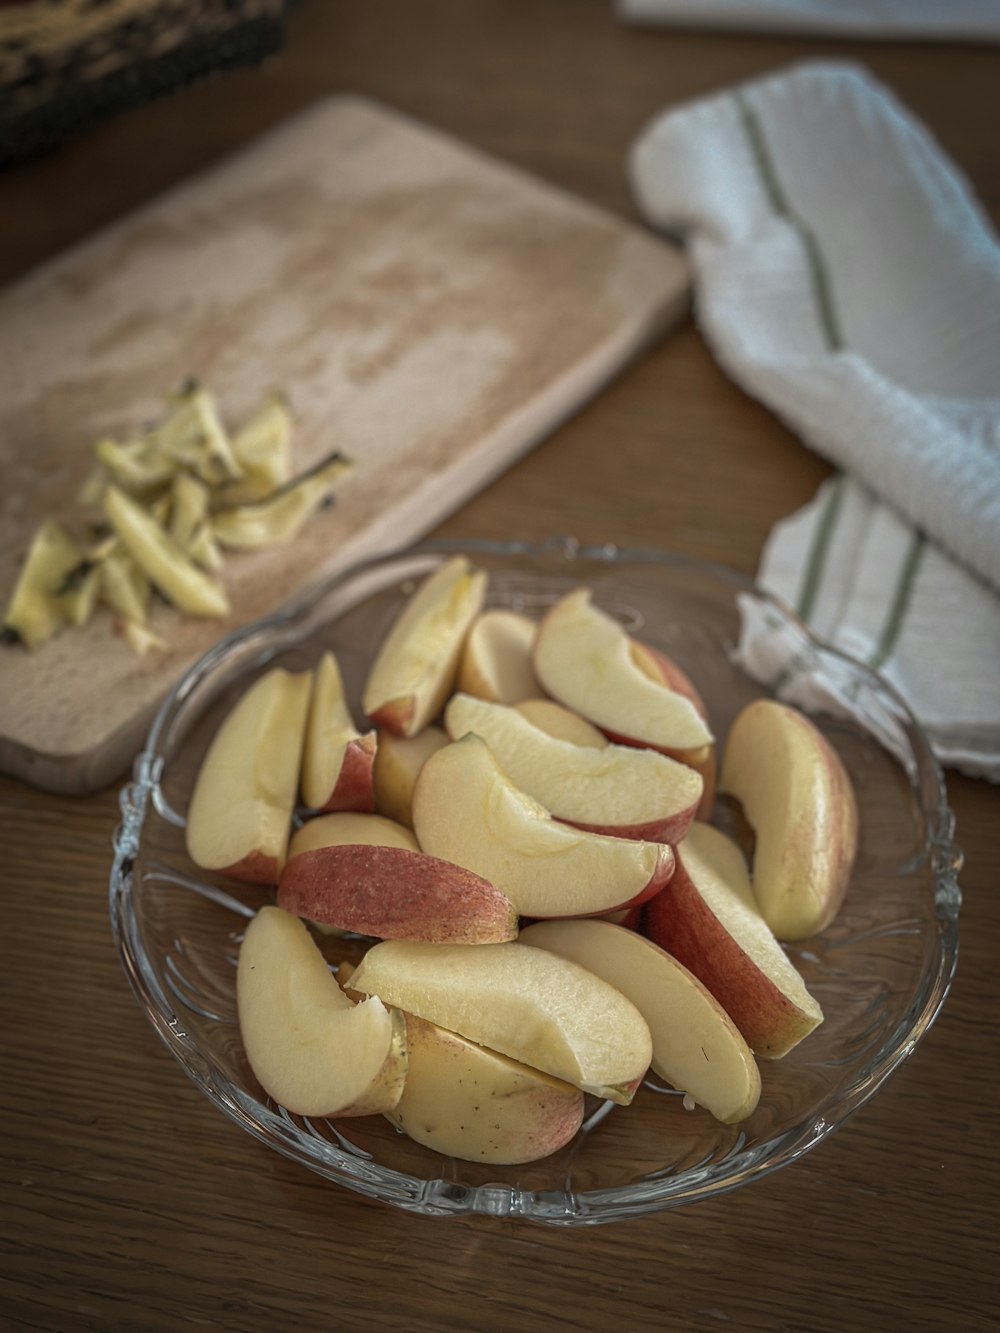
x=583 y=658
x=469 y=1102
x=395 y=894
x=798 y=798
x=702 y=758
x=240 y=814
x=415 y=666
x=708 y=919
x=311 y=1049
x=697 y=1048
x=614 y=789
x=398 y=760
x=527 y=1004
x=337 y=759
x=496 y=658
x=466 y=810
x=562 y=723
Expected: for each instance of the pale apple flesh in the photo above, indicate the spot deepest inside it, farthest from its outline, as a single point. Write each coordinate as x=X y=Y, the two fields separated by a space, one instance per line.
x=583 y=658
x=562 y=723
x=415 y=666
x=341 y=828
x=798 y=798
x=702 y=758
x=467 y=811
x=696 y=1046
x=496 y=659
x=614 y=789
x=312 y=1050
x=395 y=894
x=469 y=1102
x=337 y=759
x=525 y=1003
x=240 y=814
x=708 y=919
x=398 y=760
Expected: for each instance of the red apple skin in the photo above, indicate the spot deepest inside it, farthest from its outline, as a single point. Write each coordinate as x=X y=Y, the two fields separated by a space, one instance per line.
x=354 y=789
x=393 y=893
x=680 y=921
x=665 y=869
x=670 y=830
x=395 y=715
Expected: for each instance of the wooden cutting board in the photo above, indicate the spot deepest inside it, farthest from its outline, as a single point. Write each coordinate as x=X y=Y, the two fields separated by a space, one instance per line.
x=431 y=312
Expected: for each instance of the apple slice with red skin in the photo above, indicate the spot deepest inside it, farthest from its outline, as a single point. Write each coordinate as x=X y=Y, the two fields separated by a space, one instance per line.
x=708 y=919
x=311 y=1049
x=416 y=663
x=466 y=1101
x=615 y=789
x=798 y=799
x=696 y=1046
x=466 y=810
x=583 y=658
x=336 y=759
x=241 y=806
x=496 y=658
x=395 y=894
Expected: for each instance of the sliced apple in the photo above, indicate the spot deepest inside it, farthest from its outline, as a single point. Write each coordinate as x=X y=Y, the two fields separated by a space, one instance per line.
x=562 y=723
x=658 y=666
x=799 y=800
x=346 y=827
x=696 y=1046
x=414 y=668
x=496 y=659
x=614 y=789
x=398 y=760
x=311 y=1049
x=240 y=814
x=469 y=1102
x=396 y=894
x=583 y=658
x=708 y=919
x=525 y=1003
x=336 y=759
x=466 y=810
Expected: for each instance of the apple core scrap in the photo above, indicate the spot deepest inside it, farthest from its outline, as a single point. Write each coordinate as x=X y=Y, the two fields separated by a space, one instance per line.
x=520 y=847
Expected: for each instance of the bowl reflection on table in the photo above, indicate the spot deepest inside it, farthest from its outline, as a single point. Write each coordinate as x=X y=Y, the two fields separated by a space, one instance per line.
x=880 y=972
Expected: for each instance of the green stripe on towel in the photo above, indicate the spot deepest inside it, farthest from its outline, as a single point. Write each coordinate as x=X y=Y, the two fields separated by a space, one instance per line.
x=900 y=603
x=818 y=551
x=818 y=272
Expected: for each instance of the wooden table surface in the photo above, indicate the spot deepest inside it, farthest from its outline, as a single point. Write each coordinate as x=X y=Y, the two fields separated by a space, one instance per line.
x=127 y=1200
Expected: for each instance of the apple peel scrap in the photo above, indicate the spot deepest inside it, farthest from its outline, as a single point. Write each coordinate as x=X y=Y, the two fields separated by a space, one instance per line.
x=489 y=847
x=167 y=501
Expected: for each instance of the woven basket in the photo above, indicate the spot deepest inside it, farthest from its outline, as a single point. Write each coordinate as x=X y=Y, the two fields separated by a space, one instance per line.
x=66 y=64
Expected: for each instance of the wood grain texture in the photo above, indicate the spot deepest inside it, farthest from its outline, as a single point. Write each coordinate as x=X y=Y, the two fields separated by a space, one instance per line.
x=126 y=1201
x=356 y=262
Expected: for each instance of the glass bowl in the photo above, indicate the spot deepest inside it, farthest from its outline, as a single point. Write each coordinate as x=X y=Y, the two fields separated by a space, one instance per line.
x=880 y=972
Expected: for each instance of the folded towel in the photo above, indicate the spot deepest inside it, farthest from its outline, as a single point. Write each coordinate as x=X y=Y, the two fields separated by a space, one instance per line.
x=846 y=276
x=964 y=20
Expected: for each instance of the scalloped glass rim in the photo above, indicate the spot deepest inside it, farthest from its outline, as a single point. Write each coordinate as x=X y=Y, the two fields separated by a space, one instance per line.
x=302 y=1142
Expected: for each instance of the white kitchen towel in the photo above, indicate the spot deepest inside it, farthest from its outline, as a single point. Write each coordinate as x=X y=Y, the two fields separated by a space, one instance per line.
x=931 y=20
x=846 y=276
